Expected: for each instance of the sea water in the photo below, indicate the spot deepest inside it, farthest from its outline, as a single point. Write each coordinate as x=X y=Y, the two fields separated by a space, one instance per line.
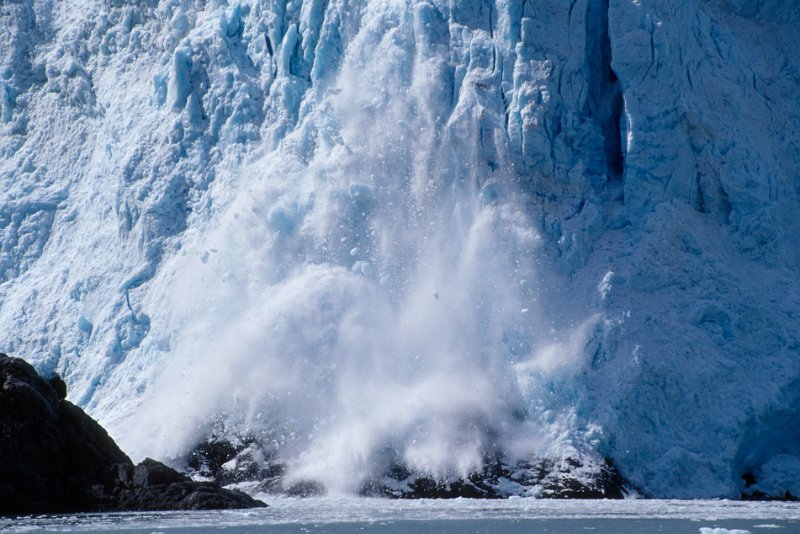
x=515 y=515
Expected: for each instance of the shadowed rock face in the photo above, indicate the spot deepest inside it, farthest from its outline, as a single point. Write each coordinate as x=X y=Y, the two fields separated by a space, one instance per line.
x=55 y=458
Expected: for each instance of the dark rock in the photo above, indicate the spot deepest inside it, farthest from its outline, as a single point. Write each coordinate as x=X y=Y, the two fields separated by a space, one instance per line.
x=567 y=478
x=208 y=457
x=58 y=384
x=601 y=482
x=51 y=453
x=151 y=473
x=55 y=458
x=757 y=495
x=305 y=488
x=242 y=460
x=752 y=494
x=152 y=485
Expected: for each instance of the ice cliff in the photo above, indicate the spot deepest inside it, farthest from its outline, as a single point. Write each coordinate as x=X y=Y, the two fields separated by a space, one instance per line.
x=550 y=227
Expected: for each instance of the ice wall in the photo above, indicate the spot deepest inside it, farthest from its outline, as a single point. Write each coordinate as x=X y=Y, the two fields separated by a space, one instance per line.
x=580 y=217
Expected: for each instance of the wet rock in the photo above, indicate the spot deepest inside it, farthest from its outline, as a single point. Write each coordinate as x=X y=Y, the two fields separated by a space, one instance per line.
x=239 y=459
x=152 y=485
x=305 y=488
x=55 y=458
x=566 y=478
x=209 y=457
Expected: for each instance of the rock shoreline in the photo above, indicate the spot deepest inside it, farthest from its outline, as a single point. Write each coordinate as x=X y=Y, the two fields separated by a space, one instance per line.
x=56 y=459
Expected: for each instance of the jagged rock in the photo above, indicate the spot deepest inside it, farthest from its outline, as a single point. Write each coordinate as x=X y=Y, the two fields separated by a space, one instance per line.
x=547 y=478
x=152 y=485
x=242 y=460
x=55 y=458
x=209 y=458
x=51 y=453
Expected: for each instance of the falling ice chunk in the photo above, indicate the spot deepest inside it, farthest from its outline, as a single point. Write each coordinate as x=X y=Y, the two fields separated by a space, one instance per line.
x=524 y=310
x=359 y=192
x=362 y=267
x=354 y=251
x=606 y=285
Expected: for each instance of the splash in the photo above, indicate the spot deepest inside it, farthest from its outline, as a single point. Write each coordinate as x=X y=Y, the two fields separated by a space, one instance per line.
x=374 y=283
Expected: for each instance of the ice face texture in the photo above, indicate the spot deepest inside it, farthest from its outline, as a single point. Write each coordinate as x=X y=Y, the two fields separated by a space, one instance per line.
x=442 y=229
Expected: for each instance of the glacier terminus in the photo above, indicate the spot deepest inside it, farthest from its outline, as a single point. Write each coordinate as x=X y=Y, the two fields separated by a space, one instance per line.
x=366 y=244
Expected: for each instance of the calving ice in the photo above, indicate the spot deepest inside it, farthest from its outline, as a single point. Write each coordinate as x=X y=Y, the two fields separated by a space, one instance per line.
x=418 y=248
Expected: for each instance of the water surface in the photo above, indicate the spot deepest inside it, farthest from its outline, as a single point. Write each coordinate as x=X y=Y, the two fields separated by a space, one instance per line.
x=341 y=515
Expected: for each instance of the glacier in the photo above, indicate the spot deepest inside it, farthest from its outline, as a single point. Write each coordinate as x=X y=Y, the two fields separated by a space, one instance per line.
x=565 y=228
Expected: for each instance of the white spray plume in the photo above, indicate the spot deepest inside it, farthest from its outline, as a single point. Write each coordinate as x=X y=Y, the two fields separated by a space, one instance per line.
x=369 y=287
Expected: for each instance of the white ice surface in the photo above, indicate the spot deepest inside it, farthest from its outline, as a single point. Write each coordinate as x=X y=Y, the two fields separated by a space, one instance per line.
x=321 y=220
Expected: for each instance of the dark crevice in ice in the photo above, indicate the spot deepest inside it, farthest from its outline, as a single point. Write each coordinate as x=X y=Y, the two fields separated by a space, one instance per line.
x=605 y=101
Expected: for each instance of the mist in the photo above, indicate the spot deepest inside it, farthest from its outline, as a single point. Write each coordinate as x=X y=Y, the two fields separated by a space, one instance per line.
x=374 y=284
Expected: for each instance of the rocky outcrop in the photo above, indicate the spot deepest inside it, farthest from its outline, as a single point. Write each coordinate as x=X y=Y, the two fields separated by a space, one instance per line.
x=55 y=458
x=245 y=460
x=152 y=485
x=566 y=478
